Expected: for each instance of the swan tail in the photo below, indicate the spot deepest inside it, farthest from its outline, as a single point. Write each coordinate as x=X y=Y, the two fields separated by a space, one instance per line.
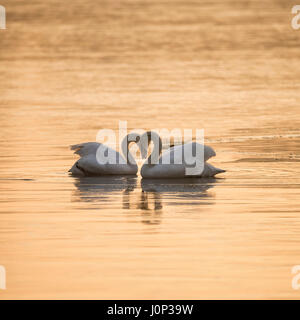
x=211 y=171
x=219 y=170
x=76 y=171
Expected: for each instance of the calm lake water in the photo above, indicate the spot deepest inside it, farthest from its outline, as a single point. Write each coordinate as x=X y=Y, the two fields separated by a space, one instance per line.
x=69 y=70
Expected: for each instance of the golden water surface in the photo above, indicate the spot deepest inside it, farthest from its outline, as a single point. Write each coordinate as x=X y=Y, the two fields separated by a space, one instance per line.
x=68 y=69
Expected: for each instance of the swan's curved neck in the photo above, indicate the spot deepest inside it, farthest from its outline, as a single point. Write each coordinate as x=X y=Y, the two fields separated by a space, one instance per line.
x=131 y=137
x=155 y=138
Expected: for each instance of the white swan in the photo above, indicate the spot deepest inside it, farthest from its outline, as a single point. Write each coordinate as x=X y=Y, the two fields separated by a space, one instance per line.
x=88 y=165
x=156 y=165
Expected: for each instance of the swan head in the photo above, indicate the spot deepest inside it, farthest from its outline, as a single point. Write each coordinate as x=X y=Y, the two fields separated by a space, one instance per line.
x=145 y=141
x=131 y=137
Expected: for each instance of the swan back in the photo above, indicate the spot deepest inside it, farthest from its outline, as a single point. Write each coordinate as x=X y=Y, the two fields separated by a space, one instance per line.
x=209 y=152
x=181 y=153
x=84 y=149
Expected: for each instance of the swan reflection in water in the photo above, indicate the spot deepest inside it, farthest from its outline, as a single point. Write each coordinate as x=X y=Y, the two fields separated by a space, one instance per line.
x=148 y=198
x=188 y=188
x=103 y=188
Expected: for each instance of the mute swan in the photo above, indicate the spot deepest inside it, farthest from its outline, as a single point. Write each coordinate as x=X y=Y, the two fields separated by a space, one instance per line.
x=156 y=166
x=88 y=165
